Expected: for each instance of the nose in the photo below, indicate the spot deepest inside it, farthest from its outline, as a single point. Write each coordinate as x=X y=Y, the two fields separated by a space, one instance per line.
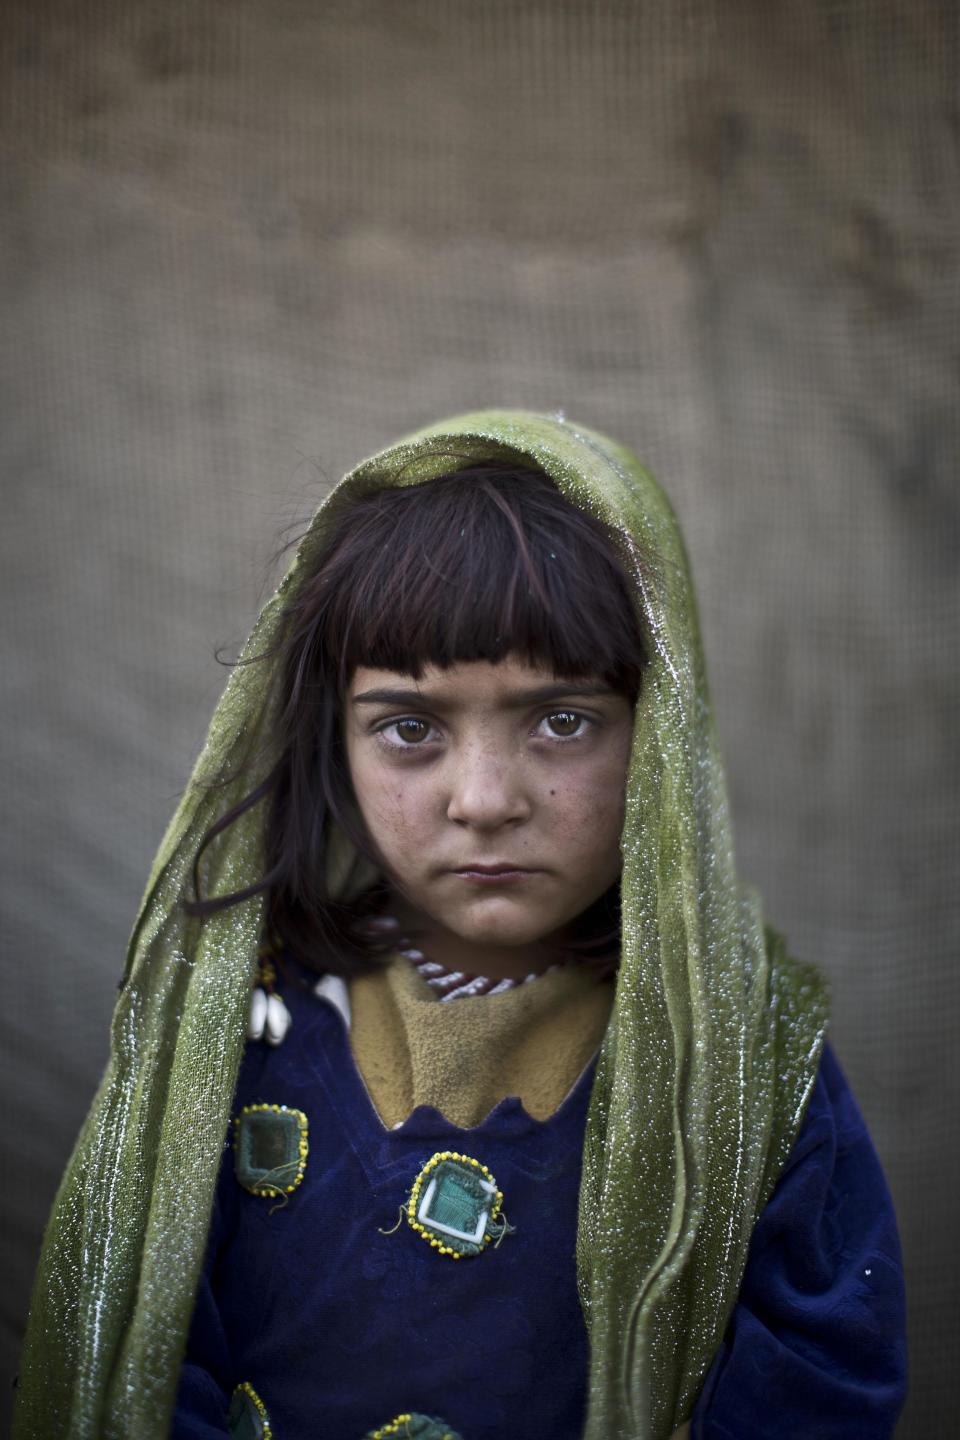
x=487 y=790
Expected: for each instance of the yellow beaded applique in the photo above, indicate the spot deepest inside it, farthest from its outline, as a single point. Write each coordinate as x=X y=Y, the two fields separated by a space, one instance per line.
x=454 y=1205
x=248 y=1418
x=270 y=1149
x=414 y=1426
x=396 y=1426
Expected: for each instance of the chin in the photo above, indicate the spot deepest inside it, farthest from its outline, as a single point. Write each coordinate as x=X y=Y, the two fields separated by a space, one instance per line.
x=500 y=929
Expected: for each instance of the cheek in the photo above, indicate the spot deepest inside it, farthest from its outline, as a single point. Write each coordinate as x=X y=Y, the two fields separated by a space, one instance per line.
x=588 y=813
x=394 y=810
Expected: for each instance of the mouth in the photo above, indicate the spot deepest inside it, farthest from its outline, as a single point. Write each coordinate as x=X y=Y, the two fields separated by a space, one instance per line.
x=493 y=873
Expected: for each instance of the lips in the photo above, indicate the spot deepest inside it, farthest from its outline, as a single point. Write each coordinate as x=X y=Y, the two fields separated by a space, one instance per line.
x=502 y=869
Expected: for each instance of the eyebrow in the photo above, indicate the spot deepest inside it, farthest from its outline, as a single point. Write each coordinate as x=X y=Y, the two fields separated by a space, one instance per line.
x=541 y=695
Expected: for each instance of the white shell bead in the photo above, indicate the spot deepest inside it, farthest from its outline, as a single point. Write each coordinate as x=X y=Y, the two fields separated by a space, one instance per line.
x=258 y=1014
x=278 y=1020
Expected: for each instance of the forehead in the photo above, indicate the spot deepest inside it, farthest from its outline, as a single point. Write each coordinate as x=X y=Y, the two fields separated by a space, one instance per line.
x=470 y=683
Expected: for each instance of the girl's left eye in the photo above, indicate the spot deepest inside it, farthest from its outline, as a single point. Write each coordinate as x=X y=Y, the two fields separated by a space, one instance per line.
x=565 y=724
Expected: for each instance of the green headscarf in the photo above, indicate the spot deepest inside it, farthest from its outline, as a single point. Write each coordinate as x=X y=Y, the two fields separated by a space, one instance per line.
x=702 y=1081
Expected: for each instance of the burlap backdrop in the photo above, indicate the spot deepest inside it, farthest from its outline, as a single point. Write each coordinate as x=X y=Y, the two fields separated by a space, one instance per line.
x=244 y=245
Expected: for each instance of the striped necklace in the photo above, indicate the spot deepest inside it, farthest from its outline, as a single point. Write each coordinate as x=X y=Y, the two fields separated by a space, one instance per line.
x=456 y=984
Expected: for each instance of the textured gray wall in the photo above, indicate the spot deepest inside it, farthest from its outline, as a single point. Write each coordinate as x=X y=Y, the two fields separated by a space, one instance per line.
x=241 y=246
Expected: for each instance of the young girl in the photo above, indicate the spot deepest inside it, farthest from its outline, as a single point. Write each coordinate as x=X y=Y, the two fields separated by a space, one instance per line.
x=531 y=1128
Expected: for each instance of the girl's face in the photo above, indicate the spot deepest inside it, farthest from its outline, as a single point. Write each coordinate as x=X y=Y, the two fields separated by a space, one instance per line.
x=494 y=795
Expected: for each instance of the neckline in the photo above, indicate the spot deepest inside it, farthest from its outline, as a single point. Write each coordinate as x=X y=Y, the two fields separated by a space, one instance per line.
x=535 y=1145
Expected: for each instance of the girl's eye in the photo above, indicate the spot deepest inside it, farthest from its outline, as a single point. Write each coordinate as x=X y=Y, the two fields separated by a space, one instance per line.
x=409 y=731
x=566 y=724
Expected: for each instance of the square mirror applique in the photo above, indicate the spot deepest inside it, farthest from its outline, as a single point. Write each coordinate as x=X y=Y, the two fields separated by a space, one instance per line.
x=270 y=1149
x=454 y=1204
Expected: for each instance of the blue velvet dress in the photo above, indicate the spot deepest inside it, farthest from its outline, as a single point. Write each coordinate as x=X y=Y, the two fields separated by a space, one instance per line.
x=340 y=1318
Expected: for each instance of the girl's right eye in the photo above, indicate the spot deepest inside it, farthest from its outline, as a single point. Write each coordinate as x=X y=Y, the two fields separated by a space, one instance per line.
x=405 y=733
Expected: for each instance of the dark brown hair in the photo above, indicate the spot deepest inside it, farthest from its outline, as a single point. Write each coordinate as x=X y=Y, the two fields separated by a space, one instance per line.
x=474 y=565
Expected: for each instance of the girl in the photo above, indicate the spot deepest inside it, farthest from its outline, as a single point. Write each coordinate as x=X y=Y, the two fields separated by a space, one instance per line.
x=535 y=1131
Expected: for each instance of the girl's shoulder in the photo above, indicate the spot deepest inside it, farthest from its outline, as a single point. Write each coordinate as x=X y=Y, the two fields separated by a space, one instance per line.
x=833 y=1132
x=821 y=1311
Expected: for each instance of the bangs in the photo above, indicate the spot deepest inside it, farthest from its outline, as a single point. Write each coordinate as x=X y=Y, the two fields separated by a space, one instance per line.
x=477 y=565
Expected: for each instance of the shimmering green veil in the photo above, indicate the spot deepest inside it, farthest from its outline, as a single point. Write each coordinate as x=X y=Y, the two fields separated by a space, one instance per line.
x=703 y=1078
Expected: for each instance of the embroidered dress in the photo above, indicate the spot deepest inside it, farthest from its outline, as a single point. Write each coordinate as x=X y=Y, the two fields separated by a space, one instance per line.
x=337 y=1325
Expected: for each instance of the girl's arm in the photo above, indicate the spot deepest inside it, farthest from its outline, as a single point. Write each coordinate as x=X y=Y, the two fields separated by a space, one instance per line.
x=816 y=1344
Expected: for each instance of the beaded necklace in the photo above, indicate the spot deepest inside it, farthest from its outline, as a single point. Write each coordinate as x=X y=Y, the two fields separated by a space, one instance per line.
x=457 y=984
